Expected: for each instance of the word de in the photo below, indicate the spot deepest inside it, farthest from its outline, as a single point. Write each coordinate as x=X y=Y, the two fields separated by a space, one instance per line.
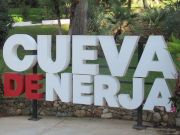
x=16 y=84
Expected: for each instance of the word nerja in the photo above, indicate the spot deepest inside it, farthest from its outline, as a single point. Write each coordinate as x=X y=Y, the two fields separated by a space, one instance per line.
x=85 y=85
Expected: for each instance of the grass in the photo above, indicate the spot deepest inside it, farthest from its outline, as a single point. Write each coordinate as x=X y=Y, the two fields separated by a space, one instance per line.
x=39 y=30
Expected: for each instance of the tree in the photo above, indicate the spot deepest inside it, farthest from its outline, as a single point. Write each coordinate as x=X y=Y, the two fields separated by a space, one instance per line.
x=24 y=9
x=56 y=4
x=78 y=24
x=145 y=4
x=5 y=21
x=32 y=3
x=129 y=4
x=55 y=9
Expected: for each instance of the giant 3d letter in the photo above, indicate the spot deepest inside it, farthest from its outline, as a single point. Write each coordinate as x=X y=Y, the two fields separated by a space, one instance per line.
x=62 y=53
x=13 y=84
x=156 y=46
x=83 y=89
x=81 y=54
x=59 y=87
x=158 y=96
x=32 y=86
x=118 y=62
x=105 y=90
x=10 y=52
x=137 y=95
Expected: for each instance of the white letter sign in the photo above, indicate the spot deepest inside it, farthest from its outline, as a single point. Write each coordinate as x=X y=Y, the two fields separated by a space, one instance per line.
x=156 y=45
x=10 y=52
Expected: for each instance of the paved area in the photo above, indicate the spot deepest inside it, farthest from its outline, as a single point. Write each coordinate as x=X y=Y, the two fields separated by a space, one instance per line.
x=70 y=126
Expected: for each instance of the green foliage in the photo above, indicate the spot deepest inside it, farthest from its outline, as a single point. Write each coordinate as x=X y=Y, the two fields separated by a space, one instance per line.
x=157 y=16
x=25 y=11
x=172 y=22
x=174 y=48
x=106 y=15
x=17 y=18
x=154 y=16
x=176 y=102
x=96 y=15
x=5 y=21
x=92 y=18
x=174 y=45
x=17 y=3
x=34 y=14
x=118 y=14
x=49 y=8
x=13 y=3
x=22 y=6
x=162 y=21
x=169 y=2
x=45 y=10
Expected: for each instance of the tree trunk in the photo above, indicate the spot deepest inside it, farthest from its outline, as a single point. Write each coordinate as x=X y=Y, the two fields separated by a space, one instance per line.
x=145 y=4
x=72 y=13
x=57 y=11
x=129 y=4
x=59 y=24
x=78 y=24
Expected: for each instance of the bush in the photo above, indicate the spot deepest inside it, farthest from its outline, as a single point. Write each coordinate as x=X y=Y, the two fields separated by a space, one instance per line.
x=17 y=3
x=17 y=19
x=109 y=16
x=172 y=23
x=174 y=48
x=24 y=10
x=154 y=16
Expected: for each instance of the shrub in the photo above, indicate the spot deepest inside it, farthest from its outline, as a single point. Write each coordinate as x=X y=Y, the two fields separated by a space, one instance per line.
x=174 y=48
x=17 y=18
x=172 y=23
x=154 y=16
